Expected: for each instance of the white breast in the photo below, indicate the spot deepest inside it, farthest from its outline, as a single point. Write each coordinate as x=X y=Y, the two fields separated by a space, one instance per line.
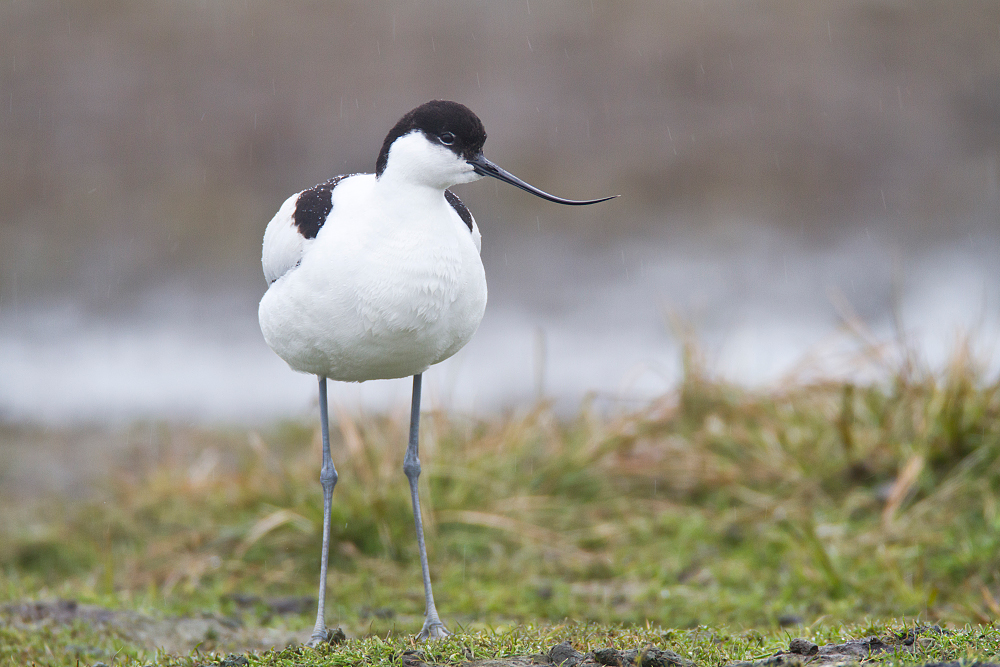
x=387 y=288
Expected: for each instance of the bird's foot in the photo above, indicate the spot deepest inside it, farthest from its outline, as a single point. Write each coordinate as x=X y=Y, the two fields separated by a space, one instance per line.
x=326 y=636
x=433 y=629
x=319 y=638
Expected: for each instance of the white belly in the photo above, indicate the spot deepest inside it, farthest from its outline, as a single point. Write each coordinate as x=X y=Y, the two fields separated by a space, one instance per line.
x=386 y=301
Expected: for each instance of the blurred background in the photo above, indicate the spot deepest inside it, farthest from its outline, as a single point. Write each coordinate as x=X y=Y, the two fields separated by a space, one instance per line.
x=784 y=168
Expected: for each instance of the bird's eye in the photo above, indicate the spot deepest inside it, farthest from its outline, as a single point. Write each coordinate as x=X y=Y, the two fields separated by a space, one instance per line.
x=447 y=138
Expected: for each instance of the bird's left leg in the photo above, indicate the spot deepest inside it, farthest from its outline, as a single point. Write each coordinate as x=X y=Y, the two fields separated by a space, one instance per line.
x=433 y=627
x=328 y=478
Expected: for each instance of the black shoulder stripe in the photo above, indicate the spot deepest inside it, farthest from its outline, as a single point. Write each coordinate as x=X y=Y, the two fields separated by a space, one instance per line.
x=313 y=207
x=460 y=208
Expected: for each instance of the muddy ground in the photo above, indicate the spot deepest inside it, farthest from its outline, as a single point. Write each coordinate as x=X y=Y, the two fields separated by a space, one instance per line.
x=210 y=633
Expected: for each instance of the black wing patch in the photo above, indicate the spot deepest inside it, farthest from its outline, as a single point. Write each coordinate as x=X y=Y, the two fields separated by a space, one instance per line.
x=460 y=208
x=313 y=207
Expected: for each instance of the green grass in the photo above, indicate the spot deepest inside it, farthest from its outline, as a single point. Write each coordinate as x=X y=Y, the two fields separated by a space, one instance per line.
x=703 y=646
x=837 y=509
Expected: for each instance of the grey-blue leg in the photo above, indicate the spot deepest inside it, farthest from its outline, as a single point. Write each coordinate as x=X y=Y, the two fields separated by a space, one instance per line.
x=328 y=478
x=433 y=627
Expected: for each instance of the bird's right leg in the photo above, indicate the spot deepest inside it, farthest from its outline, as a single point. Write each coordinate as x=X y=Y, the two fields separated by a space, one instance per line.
x=433 y=627
x=328 y=477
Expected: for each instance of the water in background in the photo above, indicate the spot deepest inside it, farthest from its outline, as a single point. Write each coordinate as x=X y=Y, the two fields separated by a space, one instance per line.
x=607 y=323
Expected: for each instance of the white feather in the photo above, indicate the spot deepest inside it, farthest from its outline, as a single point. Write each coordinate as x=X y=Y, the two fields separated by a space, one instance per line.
x=477 y=238
x=391 y=285
x=283 y=244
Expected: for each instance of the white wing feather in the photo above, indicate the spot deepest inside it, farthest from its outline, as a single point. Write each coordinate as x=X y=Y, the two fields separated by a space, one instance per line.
x=283 y=244
x=477 y=238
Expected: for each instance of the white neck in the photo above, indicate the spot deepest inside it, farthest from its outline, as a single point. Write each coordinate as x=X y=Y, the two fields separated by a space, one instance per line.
x=415 y=162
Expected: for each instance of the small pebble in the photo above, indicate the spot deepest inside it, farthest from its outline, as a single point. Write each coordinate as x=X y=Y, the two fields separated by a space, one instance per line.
x=654 y=657
x=564 y=654
x=803 y=647
x=608 y=656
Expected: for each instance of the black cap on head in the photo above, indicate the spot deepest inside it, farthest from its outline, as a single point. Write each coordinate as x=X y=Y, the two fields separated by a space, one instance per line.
x=449 y=123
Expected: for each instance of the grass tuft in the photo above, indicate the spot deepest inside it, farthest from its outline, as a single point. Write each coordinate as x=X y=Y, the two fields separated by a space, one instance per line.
x=811 y=505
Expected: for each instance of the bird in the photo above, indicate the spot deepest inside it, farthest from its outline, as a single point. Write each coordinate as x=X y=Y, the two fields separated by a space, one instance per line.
x=379 y=276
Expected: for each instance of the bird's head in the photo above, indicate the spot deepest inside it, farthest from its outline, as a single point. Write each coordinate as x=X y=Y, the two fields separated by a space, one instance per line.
x=440 y=144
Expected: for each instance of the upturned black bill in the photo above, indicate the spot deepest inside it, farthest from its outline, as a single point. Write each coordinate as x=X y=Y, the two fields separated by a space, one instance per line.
x=486 y=168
